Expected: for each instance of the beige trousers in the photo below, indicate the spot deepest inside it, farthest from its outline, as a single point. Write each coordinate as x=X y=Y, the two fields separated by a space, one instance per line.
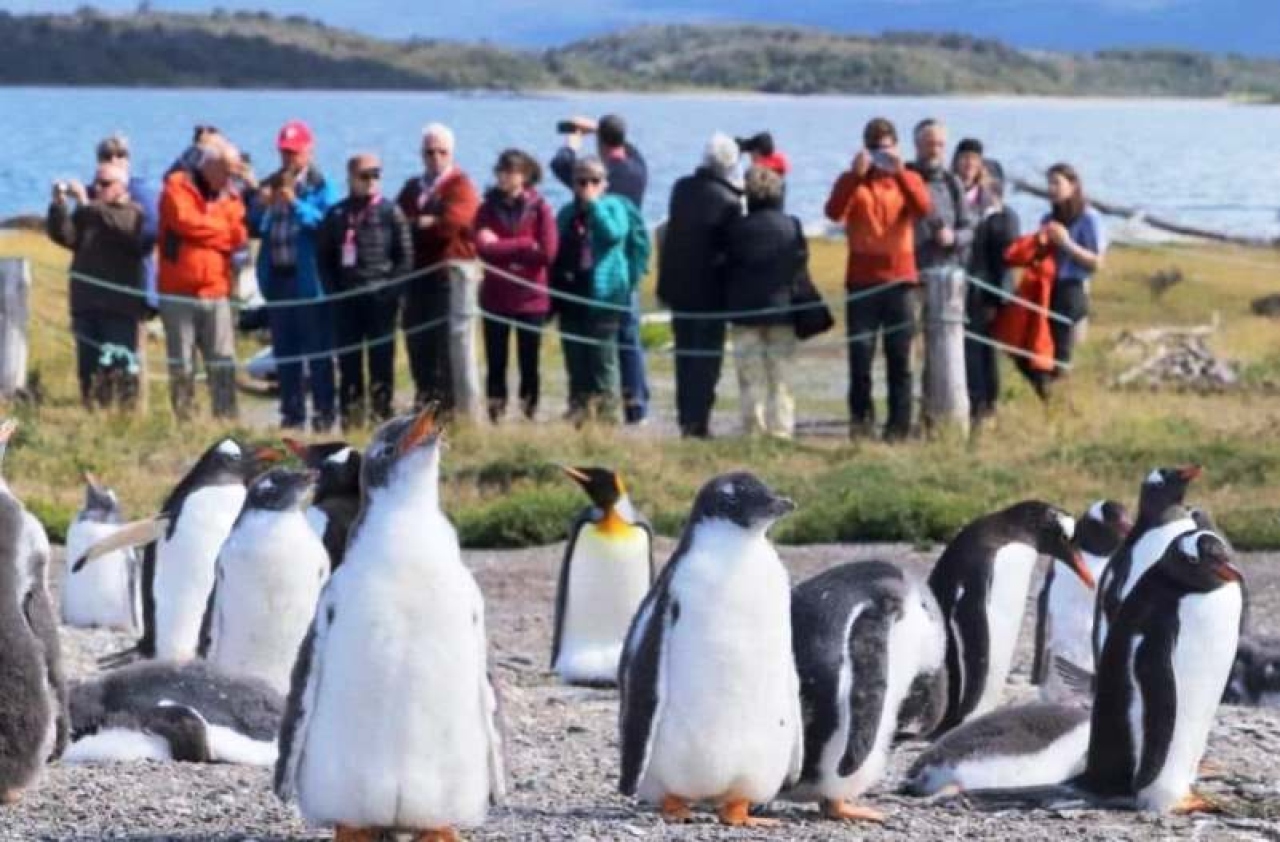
x=761 y=354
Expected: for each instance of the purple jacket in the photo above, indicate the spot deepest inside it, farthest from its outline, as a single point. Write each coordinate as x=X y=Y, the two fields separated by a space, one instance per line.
x=526 y=246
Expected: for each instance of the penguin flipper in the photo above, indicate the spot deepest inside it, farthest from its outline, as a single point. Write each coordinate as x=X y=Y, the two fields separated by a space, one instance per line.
x=209 y=623
x=131 y=535
x=974 y=635
x=304 y=684
x=562 y=583
x=1107 y=603
x=640 y=680
x=868 y=653
x=1153 y=671
x=40 y=619
x=1077 y=679
x=1040 y=663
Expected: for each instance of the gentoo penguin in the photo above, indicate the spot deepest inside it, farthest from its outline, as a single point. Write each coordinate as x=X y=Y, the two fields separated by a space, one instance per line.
x=105 y=594
x=269 y=575
x=1039 y=744
x=1064 y=619
x=391 y=720
x=981 y=583
x=1161 y=518
x=192 y=712
x=182 y=544
x=710 y=702
x=1255 y=676
x=606 y=572
x=336 y=501
x=1164 y=666
x=863 y=633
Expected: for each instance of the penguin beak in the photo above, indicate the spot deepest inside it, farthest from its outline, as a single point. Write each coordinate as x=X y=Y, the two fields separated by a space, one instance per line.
x=423 y=429
x=1228 y=572
x=91 y=480
x=1190 y=472
x=1078 y=567
x=268 y=455
x=781 y=506
x=576 y=475
x=297 y=448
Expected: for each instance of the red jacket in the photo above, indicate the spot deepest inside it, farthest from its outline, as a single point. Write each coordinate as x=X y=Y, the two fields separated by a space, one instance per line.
x=196 y=239
x=453 y=202
x=879 y=212
x=1021 y=326
x=526 y=246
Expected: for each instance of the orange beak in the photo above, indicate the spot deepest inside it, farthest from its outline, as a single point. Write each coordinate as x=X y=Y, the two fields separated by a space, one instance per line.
x=423 y=428
x=90 y=479
x=296 y=447
x=1077 y=567
x=1190 y=472
x=268 y=454
x=1228 y=572
x=575 y=474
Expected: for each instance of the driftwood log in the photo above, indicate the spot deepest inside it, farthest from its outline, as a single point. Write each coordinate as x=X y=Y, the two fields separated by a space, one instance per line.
x=1175 y=357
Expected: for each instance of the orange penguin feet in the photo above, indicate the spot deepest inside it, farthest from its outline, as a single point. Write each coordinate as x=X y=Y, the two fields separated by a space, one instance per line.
x=1194 y=802
x=445 y=834
x=675 y=809
x=10 y=796
x=736 y=812
x=841 y=810
x=343 y=833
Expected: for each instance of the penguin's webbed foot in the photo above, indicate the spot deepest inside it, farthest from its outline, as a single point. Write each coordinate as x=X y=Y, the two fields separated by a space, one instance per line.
x=345 y=833
x=676 y=810
x=443 y=834
x=841 y=810
x=736 y=812
x=1194 y=802
x=10 y=796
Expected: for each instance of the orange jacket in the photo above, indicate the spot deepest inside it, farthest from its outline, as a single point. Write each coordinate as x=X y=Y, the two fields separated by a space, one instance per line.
x=879 y=212
x=197 y=238
x=1022 y=327
x=453 y=202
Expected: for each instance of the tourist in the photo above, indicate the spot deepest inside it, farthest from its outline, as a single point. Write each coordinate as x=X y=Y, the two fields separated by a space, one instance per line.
x=201 y=225
x=689 y=279
x=943 y=237
x=114 y=149
x=601 y=258
x=764 y=253
x=1077 y=232
x=363 y=248
x=285 y=213
x=762 y=152
x=516 y=237
x=879 y=201
x=440 y=307
x=628 y=176
x=105 y=235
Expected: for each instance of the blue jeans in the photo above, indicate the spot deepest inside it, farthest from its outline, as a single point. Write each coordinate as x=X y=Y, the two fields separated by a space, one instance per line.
x=635 y=386
x=295 y=331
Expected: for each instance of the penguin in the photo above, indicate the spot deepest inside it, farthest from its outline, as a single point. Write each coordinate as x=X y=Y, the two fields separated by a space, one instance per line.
x=606 y=572
x=710 y=701
x=981 y=583
x=182 y=545
x=1163 y=670
x=1038 y=744
x=1255 y=675
x=192 y=712
x=862 y=634
x=1064 y=617
x=336 y=501
x=391 y=720
x=269 y=575
x=105 y=595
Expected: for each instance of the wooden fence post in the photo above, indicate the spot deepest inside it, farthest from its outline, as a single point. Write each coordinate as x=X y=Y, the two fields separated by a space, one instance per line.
x=15 y=299
x=944 y=388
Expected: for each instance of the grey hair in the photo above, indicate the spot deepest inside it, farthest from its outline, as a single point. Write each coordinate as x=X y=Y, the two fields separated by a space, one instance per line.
x=763 y=186
x=218 y=150
x=589 y=165
x=721 y=154
x=440 y=132
x=926 y=124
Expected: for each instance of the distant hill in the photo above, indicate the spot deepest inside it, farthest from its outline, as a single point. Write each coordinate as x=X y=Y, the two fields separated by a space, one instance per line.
x=257 y=49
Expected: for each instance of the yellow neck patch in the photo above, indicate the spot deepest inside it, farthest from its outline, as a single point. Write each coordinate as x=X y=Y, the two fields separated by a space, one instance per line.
x=613 y=524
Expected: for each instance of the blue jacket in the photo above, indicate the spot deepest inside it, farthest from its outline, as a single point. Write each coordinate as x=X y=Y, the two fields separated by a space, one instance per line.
x=619 y=254
x=314 y=198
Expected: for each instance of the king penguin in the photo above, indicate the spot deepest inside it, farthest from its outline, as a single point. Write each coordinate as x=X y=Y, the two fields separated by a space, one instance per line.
x=1163 y=669
x=106 y=594
x=606 y=572
x=863 y=634
x=1064 y=618
x=182 y=544
x=336 y=501
x=391 y=721
x=270 y=572
x=710 y=700
x=981 y=583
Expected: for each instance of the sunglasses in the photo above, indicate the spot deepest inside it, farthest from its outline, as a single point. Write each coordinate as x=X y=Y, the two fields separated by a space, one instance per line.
x=369 y=175
x=583 y=182
x=102 y=184
x=435 y=153
x=113 y=156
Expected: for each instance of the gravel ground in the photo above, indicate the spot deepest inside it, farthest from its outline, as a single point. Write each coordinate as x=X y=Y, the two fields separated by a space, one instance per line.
x=562 y=754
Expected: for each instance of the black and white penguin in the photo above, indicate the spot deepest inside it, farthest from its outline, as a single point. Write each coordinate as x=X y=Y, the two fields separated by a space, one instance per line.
x=182 y=545
x=1039 y=744
x=710 y=702
x=1064 y=619
x=981 y=583
x=270 y=572
x=391 y=720
x=863 y=633
x=157 y=710
x=606 y=572
x=336 y=501
x=104 y=595
x=1255 y=675
x=1163 y=669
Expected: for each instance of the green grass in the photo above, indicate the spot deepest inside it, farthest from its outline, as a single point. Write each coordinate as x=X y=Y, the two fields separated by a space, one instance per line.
x=503 y=487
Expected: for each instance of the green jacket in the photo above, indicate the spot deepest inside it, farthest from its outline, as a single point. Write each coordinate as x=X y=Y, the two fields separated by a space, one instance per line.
x=619 y=246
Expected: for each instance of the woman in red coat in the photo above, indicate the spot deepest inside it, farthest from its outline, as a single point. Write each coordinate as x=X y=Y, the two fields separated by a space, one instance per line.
x=516 y=239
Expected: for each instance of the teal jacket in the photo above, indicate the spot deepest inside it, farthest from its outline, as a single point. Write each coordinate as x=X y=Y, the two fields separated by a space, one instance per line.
x=311 y=203
x=619 y=246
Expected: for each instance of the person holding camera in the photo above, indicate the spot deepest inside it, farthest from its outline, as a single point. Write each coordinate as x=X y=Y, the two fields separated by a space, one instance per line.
x=105 y=235
x=879 y=201
x=762 y=152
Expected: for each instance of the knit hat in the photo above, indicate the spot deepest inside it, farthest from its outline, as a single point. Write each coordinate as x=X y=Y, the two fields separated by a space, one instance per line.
x=721 y=154
x=969 y=144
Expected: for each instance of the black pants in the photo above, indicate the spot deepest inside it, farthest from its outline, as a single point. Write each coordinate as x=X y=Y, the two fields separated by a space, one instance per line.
x=426 y=302
x=106 y=349
x=891 y=313
x=1068 y=299
x=368 y=321
x=528 y=348
x=981 y=362
x=697 y=373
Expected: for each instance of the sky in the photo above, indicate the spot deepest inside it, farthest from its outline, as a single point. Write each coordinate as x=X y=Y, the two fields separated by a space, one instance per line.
x=1251 y=27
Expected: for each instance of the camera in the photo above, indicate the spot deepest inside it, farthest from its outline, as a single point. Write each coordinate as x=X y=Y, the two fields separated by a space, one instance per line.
x=881 y=160
x=576 y=125
x=757 y=144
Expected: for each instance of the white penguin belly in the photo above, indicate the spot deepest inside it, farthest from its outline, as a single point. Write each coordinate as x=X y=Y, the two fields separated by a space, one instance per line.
x=318 y=520
x=727 y=722
x=1006 y=604
x=399 y=733
x=1208 y=634
x=99 y=595
x=608 y=577
x=118 y=745
x=270 y=572
x=1059 y=761
x=1069 y=631
x=185 y=566
x=1150 y=548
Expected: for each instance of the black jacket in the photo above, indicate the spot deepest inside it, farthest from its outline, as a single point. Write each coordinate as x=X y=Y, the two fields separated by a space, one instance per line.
x=384 y=246
x=628 y=176
x=702 y=205
x=992 y=236
x=108 y=247
x=763 y=253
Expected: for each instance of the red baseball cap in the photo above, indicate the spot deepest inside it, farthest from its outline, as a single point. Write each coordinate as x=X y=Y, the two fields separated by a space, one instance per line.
x=295 y=136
